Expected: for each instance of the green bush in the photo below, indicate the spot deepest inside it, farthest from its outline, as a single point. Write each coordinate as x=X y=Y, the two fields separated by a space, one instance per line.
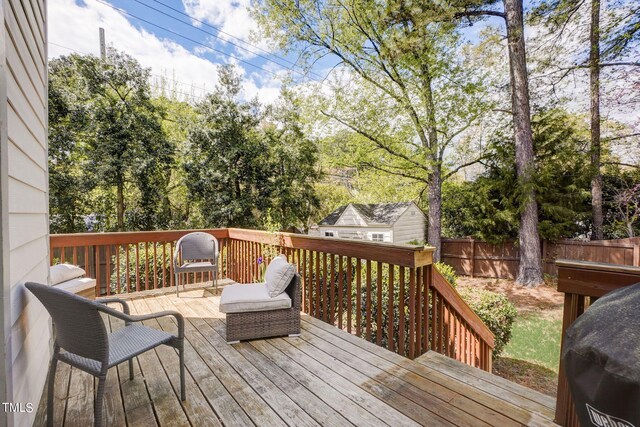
x=496 y=311
x=448 y=272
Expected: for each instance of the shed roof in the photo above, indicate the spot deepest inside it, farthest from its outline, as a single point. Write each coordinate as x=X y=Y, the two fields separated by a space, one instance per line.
x=372 y=213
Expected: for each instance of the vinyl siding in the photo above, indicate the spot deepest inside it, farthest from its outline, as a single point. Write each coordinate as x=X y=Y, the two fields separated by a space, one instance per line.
x=355 y=233
x=25 y=218
x=410 y=227
x=350 y=217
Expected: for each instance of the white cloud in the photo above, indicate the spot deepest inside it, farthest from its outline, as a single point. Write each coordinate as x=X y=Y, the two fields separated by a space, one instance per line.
x=234 y=20
x=75 y=26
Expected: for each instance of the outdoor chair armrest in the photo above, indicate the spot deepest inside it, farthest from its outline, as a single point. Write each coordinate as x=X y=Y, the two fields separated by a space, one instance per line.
x=123 y=303
x=139 y=318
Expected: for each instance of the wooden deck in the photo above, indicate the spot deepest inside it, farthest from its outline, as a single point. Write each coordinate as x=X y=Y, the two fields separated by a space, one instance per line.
x=324 y=377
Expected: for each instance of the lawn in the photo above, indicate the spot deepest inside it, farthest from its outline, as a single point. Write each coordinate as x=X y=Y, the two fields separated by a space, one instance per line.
x=535 y=339
x=531 y=357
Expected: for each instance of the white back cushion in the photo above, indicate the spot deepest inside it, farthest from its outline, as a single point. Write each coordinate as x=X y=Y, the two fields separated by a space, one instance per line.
x=278 y=275
x=63 y=272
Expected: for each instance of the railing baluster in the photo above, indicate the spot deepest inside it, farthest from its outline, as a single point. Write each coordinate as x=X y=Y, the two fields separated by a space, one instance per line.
x=75 y=255
x=368 y=308
x=108 y=272
x=401 y=305
x=390 y=306
x=359 y=297
x=379 y=307
x=137 y=267
x=318 y=286
x=155 y=265
x=128 y=277
x=418 y=317
x=332 y=290
x=412 y=313
x=117 y=269
x=146 y=265
x=302 y=268
x=426 y=285
x=349 y=293
x=340 y=291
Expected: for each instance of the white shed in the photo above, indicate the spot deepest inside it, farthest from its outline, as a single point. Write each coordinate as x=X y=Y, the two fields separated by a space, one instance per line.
x=382 y=222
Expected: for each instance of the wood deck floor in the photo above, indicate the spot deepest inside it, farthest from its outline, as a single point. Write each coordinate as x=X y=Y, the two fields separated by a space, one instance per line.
x=325 y=377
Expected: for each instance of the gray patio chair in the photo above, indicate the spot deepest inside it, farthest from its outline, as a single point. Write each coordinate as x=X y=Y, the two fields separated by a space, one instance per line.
x=82 y=341
x=195 y=253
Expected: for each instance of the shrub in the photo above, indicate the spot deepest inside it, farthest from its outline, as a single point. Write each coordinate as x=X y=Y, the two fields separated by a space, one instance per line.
x=496 y=311
x=448 y=272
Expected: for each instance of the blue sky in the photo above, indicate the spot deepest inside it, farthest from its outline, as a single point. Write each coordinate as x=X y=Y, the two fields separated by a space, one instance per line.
x=177 y=50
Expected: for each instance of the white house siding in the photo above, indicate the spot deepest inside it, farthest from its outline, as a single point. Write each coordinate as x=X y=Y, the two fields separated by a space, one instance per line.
x=24 y=193
x=356 y=233
x=410 y=226
x=350 y=217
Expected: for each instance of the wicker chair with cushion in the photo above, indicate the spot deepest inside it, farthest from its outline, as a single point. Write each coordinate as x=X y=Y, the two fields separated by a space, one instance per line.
x=195 y=253
x=263 y=310
x=82 y=341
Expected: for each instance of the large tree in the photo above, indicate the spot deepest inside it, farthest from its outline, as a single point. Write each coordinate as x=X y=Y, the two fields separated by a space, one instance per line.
x=246 y=166
x=402 y=86
x=604 y=46
x=530 y=269
x=127 y=144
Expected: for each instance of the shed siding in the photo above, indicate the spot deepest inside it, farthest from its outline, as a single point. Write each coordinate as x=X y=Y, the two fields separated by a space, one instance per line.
x=410 y=227
x=350 y=217
x=358 y=233
x=24 y=192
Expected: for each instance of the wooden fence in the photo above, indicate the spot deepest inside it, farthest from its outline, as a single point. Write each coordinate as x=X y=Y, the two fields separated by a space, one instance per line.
x=474 y=258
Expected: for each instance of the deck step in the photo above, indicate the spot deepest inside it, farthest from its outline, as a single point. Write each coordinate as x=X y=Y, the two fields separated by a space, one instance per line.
x=498 y=387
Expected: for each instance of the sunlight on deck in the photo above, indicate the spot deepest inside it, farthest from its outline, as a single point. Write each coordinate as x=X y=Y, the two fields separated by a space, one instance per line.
x=325 y=377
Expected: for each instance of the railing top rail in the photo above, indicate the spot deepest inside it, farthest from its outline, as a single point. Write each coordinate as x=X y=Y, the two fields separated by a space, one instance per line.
x=401 y=255
x=124 y=237
x=455 y=300
x=594 y=278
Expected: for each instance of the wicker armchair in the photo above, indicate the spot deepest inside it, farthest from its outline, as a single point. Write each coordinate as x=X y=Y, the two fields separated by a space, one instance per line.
x=82 y=341
x=269 y=323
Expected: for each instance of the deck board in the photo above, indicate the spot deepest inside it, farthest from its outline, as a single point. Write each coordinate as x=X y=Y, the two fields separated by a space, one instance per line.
x=324 y=377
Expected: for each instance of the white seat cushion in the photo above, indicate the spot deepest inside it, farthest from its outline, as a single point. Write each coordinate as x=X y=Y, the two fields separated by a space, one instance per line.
x=63 y=272
x=254 y=297
x=77 y=285
x=278 y=275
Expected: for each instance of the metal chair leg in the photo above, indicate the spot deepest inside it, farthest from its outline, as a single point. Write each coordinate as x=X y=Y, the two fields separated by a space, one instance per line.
x=131 y=369
x=183 y=392
x=177 y=280
x=52 y=378
x=97 y=409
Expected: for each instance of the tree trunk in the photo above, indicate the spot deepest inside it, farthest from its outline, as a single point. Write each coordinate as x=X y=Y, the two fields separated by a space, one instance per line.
x=120 y=205
x=530 y=271
x=434 y=232
x=594 y=77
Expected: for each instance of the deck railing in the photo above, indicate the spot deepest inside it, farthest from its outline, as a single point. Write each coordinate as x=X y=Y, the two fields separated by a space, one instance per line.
x=385 y=293
x=583 y=283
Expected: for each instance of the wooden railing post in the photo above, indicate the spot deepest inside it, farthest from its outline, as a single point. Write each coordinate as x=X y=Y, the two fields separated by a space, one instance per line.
x=579 y=280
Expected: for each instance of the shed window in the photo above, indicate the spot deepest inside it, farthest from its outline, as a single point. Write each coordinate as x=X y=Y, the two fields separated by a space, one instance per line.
x=328 y=234
x=377 y=237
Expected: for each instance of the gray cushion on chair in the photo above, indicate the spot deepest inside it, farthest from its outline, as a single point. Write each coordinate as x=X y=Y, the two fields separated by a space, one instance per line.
x=255 y=297
x=278 y=275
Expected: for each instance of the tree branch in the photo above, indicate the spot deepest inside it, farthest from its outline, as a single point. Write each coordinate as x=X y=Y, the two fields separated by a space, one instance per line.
x=464 y=165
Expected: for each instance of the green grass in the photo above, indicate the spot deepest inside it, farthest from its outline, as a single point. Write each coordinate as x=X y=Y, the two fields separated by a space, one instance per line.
x=536 y=340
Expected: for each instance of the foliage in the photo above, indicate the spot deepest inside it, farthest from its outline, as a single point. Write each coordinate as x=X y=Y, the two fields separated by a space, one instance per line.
x=244 y=161
x=401 y=88
x=108 y=150
x=495 y=310
x=622 y=204
x=489 y=207
x=448 y=272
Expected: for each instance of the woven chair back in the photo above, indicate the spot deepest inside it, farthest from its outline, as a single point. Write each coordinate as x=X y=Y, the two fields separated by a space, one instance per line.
x=198 y=245
x=78 y=325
